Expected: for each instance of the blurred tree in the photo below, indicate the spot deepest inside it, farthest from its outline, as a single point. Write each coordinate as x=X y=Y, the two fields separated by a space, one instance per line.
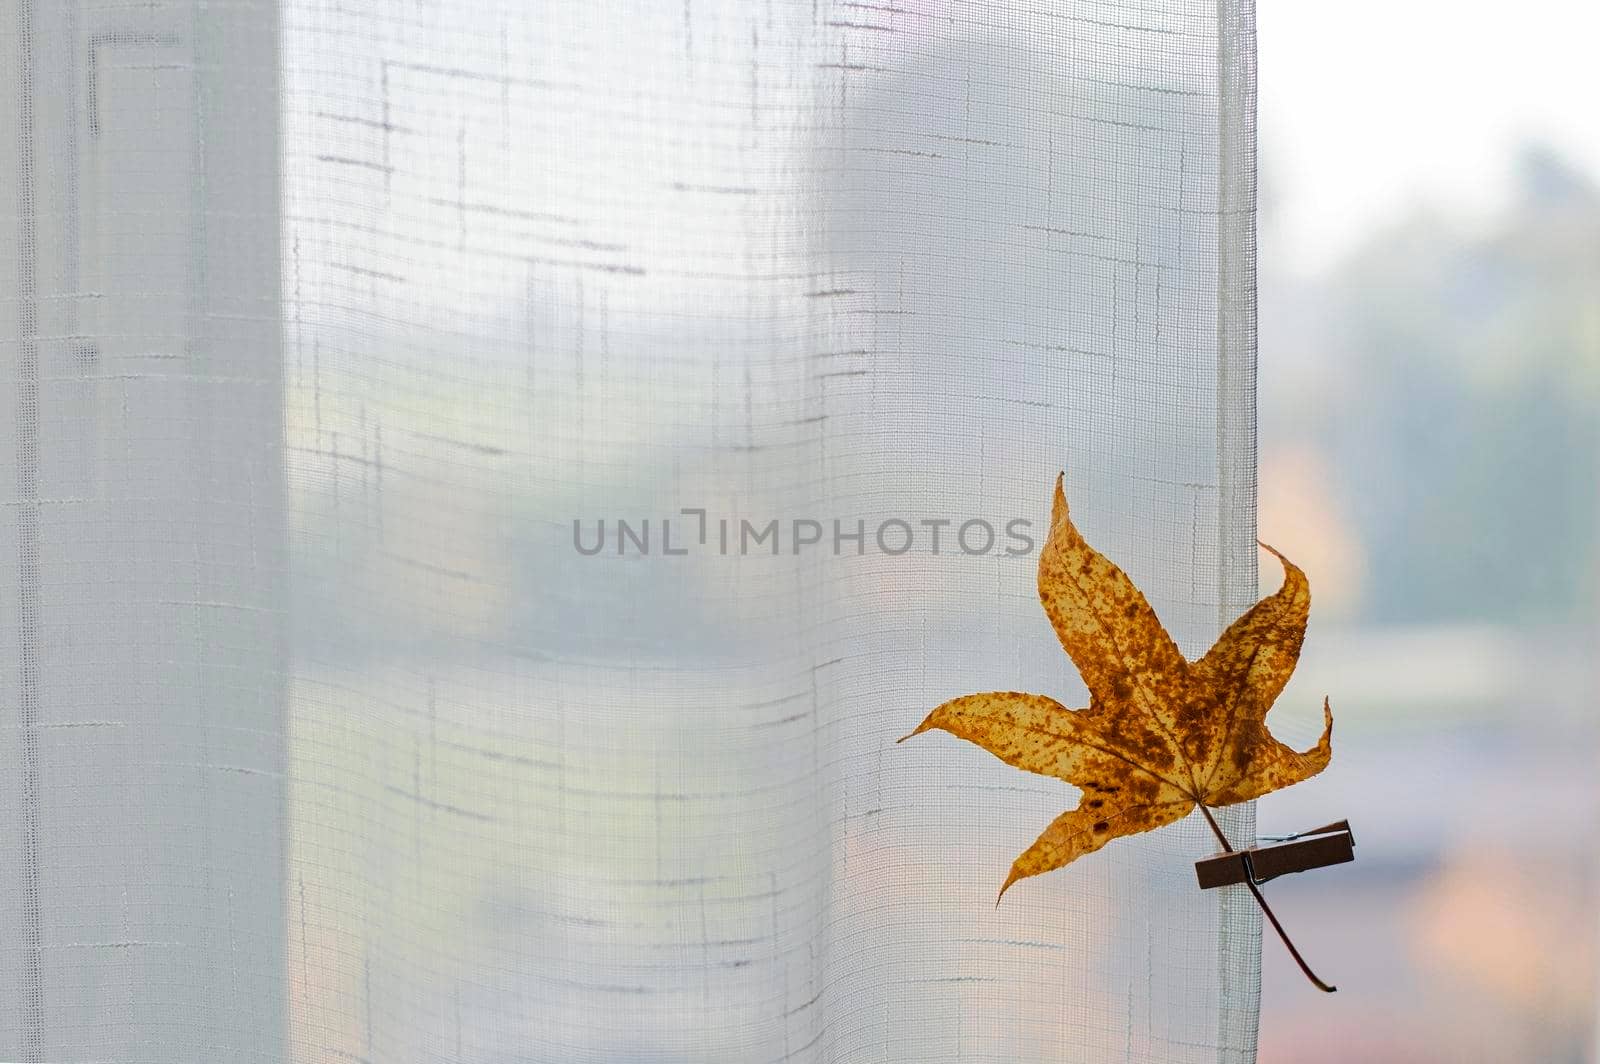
x=1468 y=449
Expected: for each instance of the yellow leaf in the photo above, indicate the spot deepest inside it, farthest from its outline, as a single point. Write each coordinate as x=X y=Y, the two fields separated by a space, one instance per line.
x=1161 y=734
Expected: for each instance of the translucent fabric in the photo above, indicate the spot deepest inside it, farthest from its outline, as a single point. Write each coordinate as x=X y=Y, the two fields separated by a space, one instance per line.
x=488 y=484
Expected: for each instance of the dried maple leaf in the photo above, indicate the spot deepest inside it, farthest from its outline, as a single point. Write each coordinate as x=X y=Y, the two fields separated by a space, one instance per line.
x=1162 y=735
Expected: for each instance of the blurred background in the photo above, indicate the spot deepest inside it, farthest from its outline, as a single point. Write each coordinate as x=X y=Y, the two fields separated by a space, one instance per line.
x=549 y=811
x=1430 y=384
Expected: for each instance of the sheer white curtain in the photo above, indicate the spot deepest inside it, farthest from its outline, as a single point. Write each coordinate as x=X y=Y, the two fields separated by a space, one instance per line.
x=339 y=334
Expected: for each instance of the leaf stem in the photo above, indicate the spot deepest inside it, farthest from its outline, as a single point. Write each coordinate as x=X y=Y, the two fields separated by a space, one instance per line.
x=1250 y=881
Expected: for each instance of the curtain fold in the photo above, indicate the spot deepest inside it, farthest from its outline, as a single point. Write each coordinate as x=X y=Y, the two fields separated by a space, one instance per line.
x=489 y=483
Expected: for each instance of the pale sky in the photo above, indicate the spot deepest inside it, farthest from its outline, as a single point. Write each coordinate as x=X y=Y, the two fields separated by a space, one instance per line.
x=1368 y=105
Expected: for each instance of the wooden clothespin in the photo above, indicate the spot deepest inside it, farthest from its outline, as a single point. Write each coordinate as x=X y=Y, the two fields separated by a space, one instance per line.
x=1328 y=845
